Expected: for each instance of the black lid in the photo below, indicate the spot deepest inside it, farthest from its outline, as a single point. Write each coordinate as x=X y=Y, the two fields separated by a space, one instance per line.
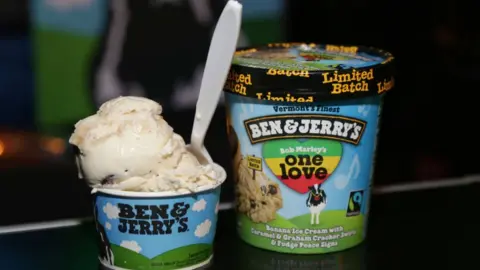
x=310 y=72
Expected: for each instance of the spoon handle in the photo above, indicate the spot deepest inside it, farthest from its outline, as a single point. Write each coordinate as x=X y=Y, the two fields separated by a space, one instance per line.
x=220 y=54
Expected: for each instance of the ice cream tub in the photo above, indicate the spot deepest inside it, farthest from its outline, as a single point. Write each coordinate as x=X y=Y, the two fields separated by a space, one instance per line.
x=302 y=121
x=155 y=230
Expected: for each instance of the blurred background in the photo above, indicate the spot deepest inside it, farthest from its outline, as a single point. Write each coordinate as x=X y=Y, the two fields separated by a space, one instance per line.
x=60 y=59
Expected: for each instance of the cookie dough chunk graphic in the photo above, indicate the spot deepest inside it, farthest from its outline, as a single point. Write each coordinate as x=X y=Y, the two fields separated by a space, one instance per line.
x=257 y=196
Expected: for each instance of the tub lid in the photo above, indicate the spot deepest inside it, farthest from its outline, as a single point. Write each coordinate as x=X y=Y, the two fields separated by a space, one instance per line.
x=308 y=72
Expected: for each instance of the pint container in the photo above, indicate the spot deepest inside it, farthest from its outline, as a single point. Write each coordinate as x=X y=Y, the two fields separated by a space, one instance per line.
x=302 y=121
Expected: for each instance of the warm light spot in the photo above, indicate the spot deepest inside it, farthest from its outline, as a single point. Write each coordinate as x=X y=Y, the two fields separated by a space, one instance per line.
x=2 y=148
x=55 y=146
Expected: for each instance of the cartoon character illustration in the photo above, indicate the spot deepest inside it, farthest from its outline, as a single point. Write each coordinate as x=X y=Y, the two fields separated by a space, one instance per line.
x=104 y=247
x=316 y=202
x=135 y=50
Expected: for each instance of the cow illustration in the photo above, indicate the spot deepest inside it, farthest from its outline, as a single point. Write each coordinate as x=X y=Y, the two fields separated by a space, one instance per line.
x=104 y=247
x=316 y=202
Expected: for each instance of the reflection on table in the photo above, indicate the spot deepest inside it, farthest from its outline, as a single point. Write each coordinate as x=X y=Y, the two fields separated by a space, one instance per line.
x=253 y=258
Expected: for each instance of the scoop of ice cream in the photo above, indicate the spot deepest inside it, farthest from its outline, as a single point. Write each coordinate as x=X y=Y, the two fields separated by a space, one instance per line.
x=128 y=145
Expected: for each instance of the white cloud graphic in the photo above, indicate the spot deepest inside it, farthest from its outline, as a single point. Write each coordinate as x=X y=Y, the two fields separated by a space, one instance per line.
x=132 y=245
x=66 y=5
x=108 y=226
x=217 y=207
x=111 y=211
x=199 y=206
x=203 y=228
x=342 y=180
x=364 y=110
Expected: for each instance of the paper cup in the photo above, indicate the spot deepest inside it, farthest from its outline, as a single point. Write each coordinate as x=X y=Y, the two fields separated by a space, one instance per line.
x=156 y=230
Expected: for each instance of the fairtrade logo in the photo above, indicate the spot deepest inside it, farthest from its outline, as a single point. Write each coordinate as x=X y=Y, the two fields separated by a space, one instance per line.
x=355 y=202
x=299 y=164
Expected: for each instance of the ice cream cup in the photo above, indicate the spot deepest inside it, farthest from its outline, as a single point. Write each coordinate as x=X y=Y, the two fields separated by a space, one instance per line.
x=302 y=122
x=156 y=230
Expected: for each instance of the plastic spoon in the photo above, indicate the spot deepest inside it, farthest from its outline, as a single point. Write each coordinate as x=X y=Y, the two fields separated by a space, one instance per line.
x=220 y=54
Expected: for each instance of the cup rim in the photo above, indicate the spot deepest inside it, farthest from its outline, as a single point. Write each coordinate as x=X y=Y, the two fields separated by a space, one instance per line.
x=164 y=194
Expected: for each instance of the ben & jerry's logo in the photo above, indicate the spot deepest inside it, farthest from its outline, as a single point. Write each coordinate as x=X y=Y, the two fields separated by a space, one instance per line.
x=340 y=128
x=153 y=219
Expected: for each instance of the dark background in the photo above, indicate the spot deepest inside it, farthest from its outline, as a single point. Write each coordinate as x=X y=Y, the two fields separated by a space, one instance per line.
x=428 y=125
x=436 y=49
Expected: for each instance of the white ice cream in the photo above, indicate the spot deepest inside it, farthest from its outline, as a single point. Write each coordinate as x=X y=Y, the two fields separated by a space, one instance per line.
x=128 y=145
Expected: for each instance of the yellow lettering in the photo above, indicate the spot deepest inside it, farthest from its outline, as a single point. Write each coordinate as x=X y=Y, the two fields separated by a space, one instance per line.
x=241 y=78
x=248 y=79
x=236 y=82
x=353 y=81
x=364 y=75
x=254 y=163
x=342 y=49
x=338 y=88
x=288 y=73
x=344 y=78
x=285 y=98
x=385 y=85
x=272 y=72
x=327 y=78
x=304 y=73
x=241 y=52
x=370 y=74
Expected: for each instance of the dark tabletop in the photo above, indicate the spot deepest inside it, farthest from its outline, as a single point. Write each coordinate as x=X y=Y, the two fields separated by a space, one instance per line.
x=434 y=228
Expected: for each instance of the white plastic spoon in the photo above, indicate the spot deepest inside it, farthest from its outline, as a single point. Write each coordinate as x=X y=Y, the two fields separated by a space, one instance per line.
x=220 y=54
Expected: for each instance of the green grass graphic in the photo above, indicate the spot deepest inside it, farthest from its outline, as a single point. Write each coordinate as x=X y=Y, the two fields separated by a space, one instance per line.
x=173 y=259
x=328 y=220
x=182 y=257
x=246 y=224
x=129 y=259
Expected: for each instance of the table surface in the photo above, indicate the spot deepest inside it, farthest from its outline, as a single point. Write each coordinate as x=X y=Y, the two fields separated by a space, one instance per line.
x=433 y=228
